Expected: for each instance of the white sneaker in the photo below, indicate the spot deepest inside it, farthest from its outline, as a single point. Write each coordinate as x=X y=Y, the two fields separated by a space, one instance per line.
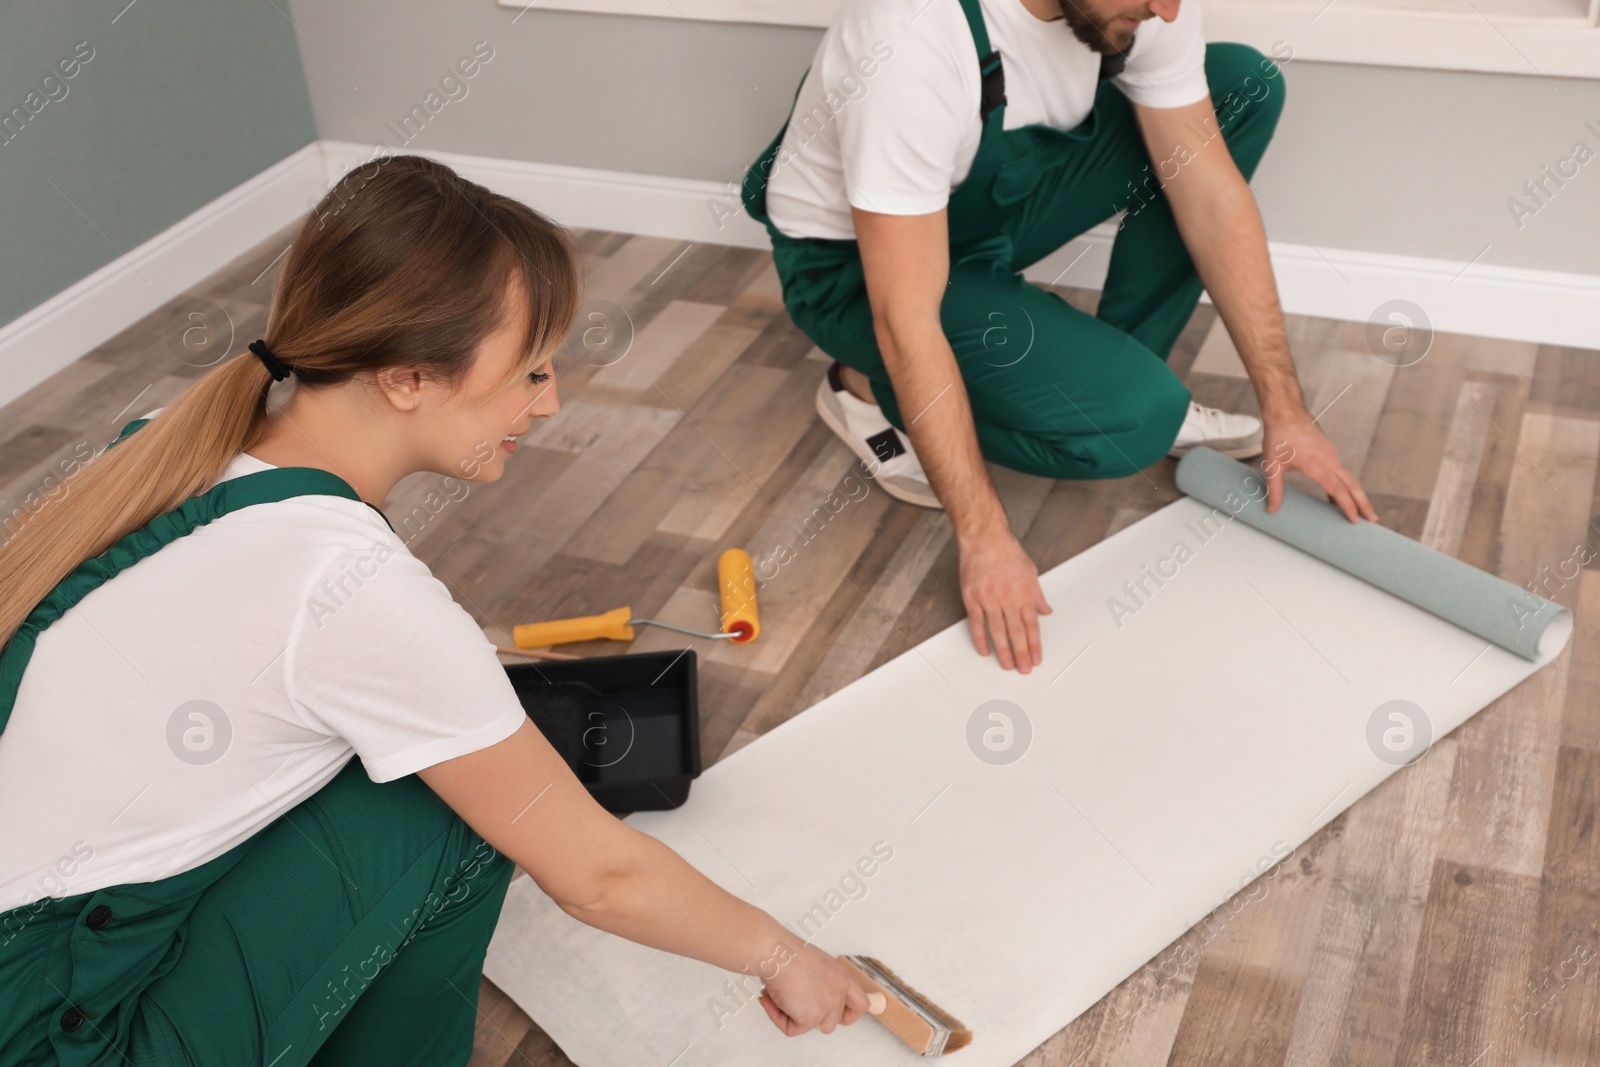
x=875 y=441
x=1235 y=436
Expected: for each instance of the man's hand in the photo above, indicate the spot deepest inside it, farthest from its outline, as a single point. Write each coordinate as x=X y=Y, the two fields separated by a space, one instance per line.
x=1295 y=443
x=1000 y=587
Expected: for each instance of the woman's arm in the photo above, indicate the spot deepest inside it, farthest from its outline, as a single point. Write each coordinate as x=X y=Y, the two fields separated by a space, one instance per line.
x=523 y=799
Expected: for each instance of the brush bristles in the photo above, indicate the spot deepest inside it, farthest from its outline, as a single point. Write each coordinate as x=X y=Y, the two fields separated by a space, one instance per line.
x=960 y=1037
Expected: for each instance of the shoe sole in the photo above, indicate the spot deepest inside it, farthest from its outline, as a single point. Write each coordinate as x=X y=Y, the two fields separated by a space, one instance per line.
x=1249 y=450
x=866 y=455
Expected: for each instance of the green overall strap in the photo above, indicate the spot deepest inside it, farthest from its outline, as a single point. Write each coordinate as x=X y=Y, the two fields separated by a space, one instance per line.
x=992 y=100
x=260 y=487
x=128 y=429
x=754 y=196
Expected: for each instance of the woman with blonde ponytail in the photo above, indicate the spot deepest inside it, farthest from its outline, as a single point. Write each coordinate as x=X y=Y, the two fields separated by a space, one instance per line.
x=262 y=781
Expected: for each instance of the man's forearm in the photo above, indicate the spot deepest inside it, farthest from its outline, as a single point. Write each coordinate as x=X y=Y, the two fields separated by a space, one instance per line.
x=1225 y=238
x=933 y=402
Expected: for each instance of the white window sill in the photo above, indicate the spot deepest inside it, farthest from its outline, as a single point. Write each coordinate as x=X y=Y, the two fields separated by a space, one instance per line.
x=1548 y=38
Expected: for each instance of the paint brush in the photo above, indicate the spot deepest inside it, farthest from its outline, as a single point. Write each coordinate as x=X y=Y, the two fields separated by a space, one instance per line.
x=928 y=1029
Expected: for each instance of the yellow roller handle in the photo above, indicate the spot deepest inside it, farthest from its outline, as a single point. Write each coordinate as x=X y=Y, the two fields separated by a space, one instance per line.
x=613 y=625
x=736 y=578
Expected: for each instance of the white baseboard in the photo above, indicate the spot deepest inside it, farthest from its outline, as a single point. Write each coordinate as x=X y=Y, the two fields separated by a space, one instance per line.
x=96 y=309
x=1510 y=303
x=684 y=209
x=1514 y=303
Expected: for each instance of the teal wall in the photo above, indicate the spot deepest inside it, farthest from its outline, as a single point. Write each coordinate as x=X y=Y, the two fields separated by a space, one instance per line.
x=182 y=101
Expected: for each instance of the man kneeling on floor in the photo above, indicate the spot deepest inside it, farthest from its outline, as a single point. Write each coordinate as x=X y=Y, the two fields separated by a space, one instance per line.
x=937 y=148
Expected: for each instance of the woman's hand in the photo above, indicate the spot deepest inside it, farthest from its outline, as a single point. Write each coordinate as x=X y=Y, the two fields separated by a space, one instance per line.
x=812 y=991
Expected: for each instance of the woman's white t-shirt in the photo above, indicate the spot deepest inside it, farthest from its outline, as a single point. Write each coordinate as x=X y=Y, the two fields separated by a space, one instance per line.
x=210 y=687
x=887 y=117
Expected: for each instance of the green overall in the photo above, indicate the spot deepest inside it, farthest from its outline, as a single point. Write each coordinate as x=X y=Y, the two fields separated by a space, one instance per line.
x=351 y=930
x=1055 y=391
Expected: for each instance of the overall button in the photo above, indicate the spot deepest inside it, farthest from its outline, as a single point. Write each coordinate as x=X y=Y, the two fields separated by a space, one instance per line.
x=71 y=1019
x=99 y=918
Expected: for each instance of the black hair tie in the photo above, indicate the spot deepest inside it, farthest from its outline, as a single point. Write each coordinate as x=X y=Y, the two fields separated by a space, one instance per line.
x=275 y=366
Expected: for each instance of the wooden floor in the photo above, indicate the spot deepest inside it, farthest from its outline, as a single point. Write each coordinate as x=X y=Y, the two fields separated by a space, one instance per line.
x=1448 y=918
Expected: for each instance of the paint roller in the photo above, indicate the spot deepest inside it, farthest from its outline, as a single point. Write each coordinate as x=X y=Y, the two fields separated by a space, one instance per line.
x=736 y=583
x=926 y=1028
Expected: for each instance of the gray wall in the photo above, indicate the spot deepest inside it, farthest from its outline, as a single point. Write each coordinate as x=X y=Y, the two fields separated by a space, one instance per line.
x=181 y=101
x=1385 y=160
x=1421 y=163
x=632 y=94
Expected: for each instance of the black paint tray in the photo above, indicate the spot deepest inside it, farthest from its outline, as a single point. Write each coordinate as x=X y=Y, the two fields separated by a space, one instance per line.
x=628 y=726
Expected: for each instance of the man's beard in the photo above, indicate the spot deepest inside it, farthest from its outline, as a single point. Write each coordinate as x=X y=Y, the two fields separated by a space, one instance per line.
x=1094 y=34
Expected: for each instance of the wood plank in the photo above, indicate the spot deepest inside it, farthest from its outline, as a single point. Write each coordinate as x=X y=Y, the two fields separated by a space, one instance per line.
x=1470 y=954
x=1500 y=818
x=726 y=696
x=1451 y=500
x=1548 y=500
x=761 y=429
x=610 y=442
x=1347 y=401
x=1499 y=356
x=780 y=344
x=1218 y=355
x=728 y=273
x=37 y=449
x=1566 y=381
x=500 y=1028
x=1480 y=540
x=1187 y=347
x=881 y=603
x=699 y=367
x=1242 y=1018
x=57 y=395
x=698 y=452
x=1352 y=1003
x=1408 y=445
x=657 y=346
x=1580 y=726
x=614 y=276
x=1556 y=1012
x=1259 y=945
x=1401 y=514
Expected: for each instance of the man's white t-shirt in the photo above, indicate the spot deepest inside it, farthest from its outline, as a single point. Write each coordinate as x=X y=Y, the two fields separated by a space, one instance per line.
x=887 y=117
x=202 y=692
